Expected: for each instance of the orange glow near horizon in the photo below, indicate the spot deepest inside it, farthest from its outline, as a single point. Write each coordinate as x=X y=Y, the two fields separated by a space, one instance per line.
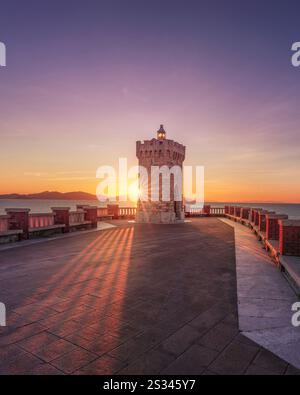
x=222 y=191
x=228 y=177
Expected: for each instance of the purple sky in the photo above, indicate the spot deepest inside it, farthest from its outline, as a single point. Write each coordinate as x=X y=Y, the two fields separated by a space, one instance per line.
x=86 y=79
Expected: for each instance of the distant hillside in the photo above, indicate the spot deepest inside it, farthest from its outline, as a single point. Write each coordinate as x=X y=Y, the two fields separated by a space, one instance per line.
x=52 y=195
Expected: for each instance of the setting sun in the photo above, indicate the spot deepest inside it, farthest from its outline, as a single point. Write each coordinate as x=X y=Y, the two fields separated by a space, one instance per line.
x=134 y=192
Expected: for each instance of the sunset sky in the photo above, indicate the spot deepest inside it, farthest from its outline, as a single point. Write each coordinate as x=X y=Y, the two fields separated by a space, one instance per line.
x=86 y=79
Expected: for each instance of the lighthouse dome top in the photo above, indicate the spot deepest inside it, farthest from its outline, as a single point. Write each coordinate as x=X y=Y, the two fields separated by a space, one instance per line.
x=161 y=133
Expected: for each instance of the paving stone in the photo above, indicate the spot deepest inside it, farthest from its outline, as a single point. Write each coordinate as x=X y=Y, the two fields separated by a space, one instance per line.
x=44 y=369
x=68 y=305
x=129 y=350
x=207 y=372
x=180 y=340
x=99 y=346
x=234 y=359
x=63 y=329
x=192 y=361
x=54 y=320
x=152 y=362
x=10 y=353
x=20 y=365
x=101 y=366
x=38 y=341
x=256 y=370
x=74 y=360
x=219 y=336
x=35 y=314
x=21 y=333
x=110 y=326
x=14 y=320
x=291 y=371
x=267 y=360
x=209 y=318
x=54 y=350
x=245 y=340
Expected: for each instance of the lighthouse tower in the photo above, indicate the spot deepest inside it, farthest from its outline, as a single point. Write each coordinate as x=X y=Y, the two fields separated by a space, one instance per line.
x=167 y=156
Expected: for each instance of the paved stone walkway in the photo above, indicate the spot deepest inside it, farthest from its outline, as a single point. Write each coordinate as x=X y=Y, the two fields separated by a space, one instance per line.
x=152 y=299
x=265 y=298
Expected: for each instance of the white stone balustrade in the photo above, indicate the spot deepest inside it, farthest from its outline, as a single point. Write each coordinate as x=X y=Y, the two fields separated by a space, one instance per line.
x=41 y=220
x=76 y=217
x=102 y=211
x=127 y=211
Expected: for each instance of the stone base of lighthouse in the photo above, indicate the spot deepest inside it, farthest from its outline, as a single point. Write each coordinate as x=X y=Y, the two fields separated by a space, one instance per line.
x=158 y=213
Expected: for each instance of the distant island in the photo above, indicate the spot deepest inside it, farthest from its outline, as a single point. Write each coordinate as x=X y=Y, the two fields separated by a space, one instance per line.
x=51 y=196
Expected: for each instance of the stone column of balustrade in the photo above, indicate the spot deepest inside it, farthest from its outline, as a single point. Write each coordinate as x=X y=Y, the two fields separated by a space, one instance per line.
x=289 y=237
x=245 y=212
x=90 y=214
x=62 y=217
x=237 y=211
x=256 y=216
x=113 y=210
x=272 y=225
x=262 y=219
x=19 y=220
x=206 y=209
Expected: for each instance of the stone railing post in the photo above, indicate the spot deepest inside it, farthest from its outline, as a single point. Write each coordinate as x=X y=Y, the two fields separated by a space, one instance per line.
x=19 y=220
x=289 y=237
x=90 y=214
x=237 y=211
x=113 y=209
x=226 y=209
x=262 y=219
x=245 y=212
x=206 y=209
x=272 y=225
x=256 y=216
x=62 y=216
x=252 y=214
